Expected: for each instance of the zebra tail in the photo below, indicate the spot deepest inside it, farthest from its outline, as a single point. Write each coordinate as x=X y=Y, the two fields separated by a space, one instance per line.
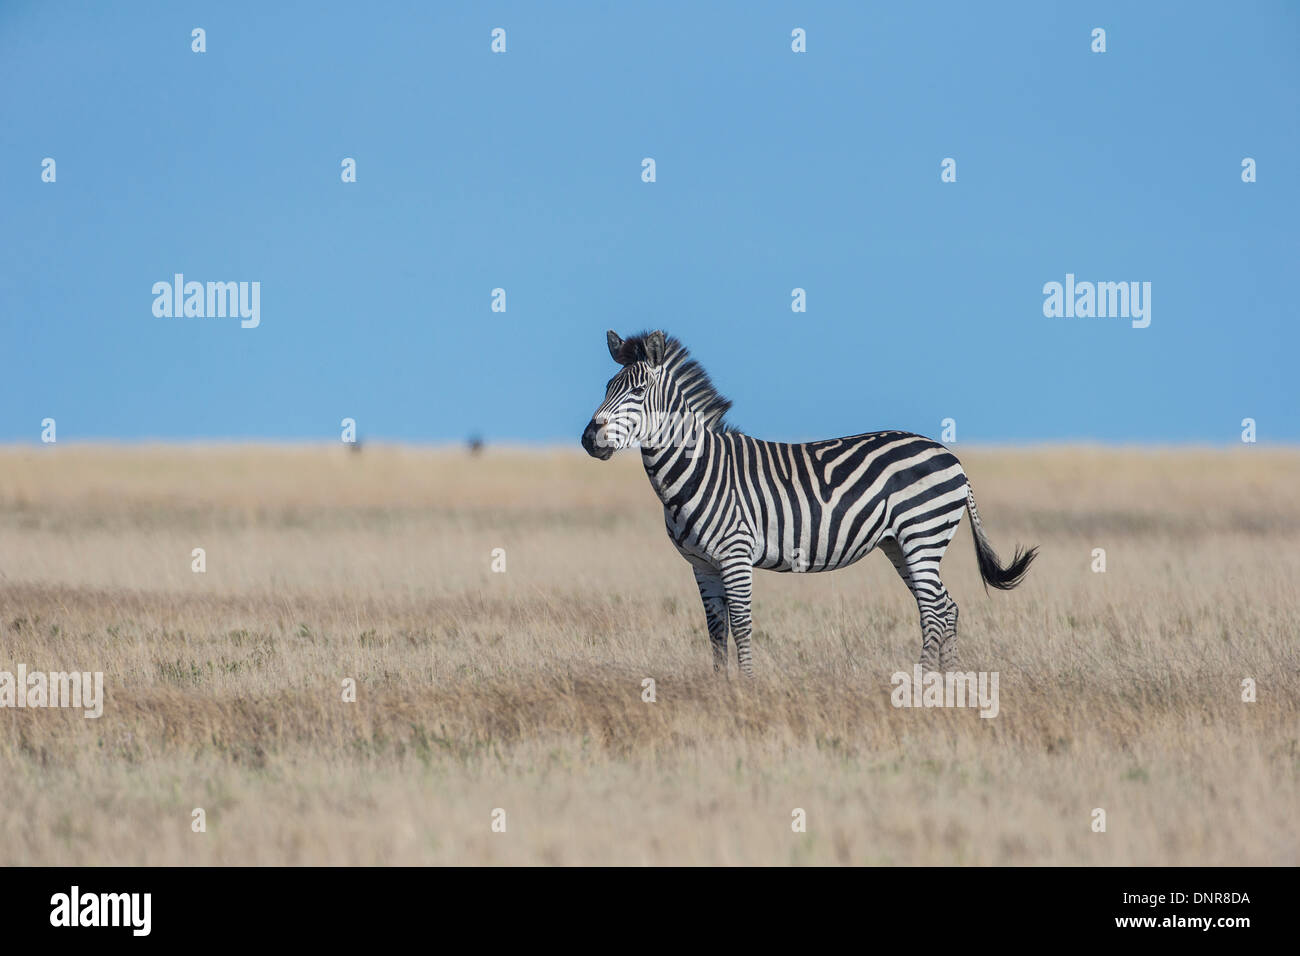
x=994 y=573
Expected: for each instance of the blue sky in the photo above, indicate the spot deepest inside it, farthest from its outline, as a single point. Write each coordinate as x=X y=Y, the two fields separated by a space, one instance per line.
x=774 y=170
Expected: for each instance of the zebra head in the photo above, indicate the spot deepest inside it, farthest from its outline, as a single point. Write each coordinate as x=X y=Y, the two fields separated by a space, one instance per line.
x=633 y=399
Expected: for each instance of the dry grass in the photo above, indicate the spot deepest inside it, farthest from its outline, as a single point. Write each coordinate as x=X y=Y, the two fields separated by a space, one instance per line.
x=523 y=690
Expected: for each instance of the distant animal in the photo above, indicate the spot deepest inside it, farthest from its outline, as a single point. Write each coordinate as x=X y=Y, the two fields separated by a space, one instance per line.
x=733 y=503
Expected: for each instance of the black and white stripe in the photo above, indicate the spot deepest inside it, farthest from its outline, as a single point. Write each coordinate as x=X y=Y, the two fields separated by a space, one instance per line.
x=733 y=503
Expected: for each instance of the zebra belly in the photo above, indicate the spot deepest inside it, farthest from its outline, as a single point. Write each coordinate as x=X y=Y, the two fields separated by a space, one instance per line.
x=823 y=556
x=783 y=566
x=794 y=544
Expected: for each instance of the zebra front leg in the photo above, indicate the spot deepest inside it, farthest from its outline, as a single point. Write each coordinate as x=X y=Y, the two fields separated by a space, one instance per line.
x=714 y=596
x=738 y=579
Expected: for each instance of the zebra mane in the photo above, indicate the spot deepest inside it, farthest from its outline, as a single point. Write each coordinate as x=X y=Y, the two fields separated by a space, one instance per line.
x=700 y=395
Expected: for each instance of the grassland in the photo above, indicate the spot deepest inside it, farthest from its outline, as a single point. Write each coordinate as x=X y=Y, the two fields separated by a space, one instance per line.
x=523 y=690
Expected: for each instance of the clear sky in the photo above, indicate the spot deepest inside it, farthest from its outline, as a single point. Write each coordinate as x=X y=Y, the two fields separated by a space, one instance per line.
x=774 y=170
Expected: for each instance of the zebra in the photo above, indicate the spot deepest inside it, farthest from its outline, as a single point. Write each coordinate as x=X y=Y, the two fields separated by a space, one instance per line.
x=733 y=503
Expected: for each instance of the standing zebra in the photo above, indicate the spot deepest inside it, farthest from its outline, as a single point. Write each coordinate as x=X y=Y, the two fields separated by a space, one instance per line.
x=733 y=503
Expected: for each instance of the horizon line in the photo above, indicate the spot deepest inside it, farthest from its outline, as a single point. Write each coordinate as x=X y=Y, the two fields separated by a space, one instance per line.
x=523 y=444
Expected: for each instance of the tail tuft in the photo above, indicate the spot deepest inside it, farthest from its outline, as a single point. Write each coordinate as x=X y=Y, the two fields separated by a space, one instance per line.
x=995 y=575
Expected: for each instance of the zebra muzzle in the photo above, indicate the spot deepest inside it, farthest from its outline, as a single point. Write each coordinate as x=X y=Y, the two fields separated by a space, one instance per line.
x=593 y=443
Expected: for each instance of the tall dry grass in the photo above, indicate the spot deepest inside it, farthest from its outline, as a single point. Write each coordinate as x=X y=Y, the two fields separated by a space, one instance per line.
x=523 y=690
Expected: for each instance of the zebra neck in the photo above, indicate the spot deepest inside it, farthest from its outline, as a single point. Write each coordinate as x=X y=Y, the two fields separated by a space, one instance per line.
x=677 y=467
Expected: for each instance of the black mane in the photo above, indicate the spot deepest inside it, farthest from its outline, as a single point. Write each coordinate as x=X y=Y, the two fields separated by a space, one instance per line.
x=701 y=397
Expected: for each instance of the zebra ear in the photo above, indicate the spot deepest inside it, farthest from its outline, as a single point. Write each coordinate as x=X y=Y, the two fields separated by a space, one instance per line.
x=654 y=348
x=615 y=345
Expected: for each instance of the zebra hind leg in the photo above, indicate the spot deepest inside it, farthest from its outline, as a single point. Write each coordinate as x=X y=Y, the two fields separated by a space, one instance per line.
x=948 y=657
x=934 y=626
x=920 y=572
